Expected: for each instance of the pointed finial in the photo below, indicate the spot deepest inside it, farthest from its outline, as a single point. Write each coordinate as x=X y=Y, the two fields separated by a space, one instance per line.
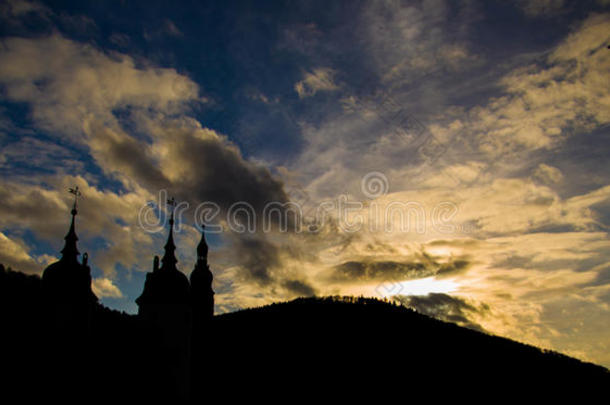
x=69 y=252
x=172 y=203
x=169 y=258
x=202 y=248
x=77 y=194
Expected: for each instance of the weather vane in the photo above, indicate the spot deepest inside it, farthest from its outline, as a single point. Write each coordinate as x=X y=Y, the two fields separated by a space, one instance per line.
x=172 y=203
x=76 y=193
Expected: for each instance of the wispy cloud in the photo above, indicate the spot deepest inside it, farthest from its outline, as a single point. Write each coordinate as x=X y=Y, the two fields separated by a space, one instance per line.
x=320 y=79
x=395 y=88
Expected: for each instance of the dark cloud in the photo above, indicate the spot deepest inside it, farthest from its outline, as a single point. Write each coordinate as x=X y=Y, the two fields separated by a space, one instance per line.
x=464 y=243
x=202 y=167
x=299 y=287
x=446 y=308
x=197 y=166
x=261 y=263
x=257 y=256
x=453 y=267
x=542 y=8
x=370 y=269
x=514 y=261
x=380 y=271
x=532 y=261
x=216 y=171
x=603 y=277
x=120 y=153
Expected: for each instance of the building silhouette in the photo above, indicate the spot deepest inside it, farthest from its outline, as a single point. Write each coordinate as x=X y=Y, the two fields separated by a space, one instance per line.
x=178 y=310
x=174 y=305
x=201 y=279
x=67 y=289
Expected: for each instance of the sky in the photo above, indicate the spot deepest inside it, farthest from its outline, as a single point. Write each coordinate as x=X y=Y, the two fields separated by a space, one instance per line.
x=449 y=155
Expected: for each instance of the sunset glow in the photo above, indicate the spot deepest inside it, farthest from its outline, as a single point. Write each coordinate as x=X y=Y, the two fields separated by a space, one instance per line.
x=452 y=156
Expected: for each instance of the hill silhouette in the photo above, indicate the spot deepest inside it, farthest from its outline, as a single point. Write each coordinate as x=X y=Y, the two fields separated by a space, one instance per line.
x=377 y=346
x=341 y=347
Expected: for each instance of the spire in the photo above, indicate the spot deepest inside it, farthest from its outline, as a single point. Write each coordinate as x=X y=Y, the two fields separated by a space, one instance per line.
x=201 y=276
x=70 y=252
x=169 y=258
x=202 y=248
x=201 y=283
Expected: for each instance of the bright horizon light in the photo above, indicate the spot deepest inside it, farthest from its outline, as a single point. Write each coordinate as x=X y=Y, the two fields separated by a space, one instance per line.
x=422 y=286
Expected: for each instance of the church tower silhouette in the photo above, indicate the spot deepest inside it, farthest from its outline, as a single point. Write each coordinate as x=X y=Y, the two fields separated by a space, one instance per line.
x=66 y=286
x=178 y=310
x=166 y=303
x=201 y=286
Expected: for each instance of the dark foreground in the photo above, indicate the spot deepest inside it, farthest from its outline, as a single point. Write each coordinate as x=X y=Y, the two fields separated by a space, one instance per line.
x=312 y=349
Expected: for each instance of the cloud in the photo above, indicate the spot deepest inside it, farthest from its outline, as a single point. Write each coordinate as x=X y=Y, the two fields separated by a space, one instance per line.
x=548 y=174
x=20 y=8
x=258 y=96
x=299 y=288
x=528 y=280
x=167 y=29
x=96 y=99
x=104 y=288
x=507 y=261
x=27 y=154
x=546 y=104
x=78 y=92
x=121 y=155
x=16 y=256
x=119 y=39
x=538 y=107
x=67 y=83
x=411 y=42
x=258 y=258
x=207 y=167
x=447 y=308
x=354 y=271
x=372 y=270
x=172 y=29
x=320 y=79
x=273 y=263
x=106 y=215
x=536 y=8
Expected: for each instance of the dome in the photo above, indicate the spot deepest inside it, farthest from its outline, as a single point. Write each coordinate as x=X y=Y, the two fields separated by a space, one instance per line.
x=165 y=286
x=68 y=280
